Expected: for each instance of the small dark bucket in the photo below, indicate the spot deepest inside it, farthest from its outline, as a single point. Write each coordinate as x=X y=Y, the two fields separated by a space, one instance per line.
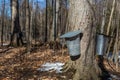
x=101 y=45
x=73 y=42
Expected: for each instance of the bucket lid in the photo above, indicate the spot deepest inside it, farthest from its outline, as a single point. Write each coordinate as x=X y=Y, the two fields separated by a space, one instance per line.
x=105 y=35
x=71 y=34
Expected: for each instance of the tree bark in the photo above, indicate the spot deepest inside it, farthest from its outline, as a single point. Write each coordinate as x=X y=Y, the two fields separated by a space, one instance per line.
x=80 y=17
x=2 y=28
x=56 y=14
x=27 y=24
x=53 y=35
x=46 y=23
x=16 y=33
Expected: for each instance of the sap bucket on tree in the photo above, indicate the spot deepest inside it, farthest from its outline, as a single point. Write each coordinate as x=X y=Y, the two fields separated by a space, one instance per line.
x=73 y=43
x=101 y=45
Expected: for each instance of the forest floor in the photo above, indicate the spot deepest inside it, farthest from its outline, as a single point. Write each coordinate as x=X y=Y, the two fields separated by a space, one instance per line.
x=16 y=64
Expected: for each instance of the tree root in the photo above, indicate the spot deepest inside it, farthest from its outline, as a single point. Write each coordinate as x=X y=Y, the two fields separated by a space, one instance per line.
x=89 y=73
x=97 y=68
x=69 y=65
x=83 y=72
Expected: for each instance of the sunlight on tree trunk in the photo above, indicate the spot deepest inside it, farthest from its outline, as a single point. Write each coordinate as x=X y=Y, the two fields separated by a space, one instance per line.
x=80 y=17
x=111 y=16
x=16 y=35
x=56 y=14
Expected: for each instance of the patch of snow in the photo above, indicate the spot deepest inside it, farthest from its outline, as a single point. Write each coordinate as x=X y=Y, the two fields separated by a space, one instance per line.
x=52 y=66
x=115 y=77
x=4 y=44
x=119 y=56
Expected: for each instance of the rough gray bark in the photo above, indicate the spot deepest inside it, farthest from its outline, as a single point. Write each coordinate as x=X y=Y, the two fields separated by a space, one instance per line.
x=53 y=35
x=80 y=17
x=55 y=9
x=27 y=24
x=16 y=29
x=46 y=26
x=56 y=14
x=2 y=28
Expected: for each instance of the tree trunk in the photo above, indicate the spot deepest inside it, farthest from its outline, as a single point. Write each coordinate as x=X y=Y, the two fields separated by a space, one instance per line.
x=56 y=14
x=52 y=28
x=30 y=28
x=2 y=28
x=16 y=29
x=46 y=23
x=27 y=25
x=80 y=17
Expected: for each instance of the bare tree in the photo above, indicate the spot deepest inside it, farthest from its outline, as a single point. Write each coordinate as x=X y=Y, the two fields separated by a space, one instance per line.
x=57 y=5
x=2 y=29
x=16 y=33
x=53 y=28
x=81 y=17
x=27 y=24
x=46 y=26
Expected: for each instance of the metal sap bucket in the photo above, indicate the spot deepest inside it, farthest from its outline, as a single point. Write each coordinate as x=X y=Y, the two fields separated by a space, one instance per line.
x=101 y=45
x=73 y=42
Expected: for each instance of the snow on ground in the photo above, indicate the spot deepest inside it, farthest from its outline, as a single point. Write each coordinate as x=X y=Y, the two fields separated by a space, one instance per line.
x=57 y=66
x=114 y=77
x=5 y=44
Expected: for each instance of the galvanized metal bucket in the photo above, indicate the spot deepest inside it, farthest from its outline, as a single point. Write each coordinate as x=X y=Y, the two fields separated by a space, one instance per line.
x=73 y=42
x=73 y=46
x=101 y=45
